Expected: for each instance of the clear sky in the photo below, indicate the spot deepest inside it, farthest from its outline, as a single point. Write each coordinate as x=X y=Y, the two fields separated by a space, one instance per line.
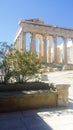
x=54 y=12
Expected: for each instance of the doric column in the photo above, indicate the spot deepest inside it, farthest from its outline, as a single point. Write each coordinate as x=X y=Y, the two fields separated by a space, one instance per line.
x=15 y=44
x=49 y=50
x=64 y=51
x=72 y=51
x=44 y=49
x=40 y=47
x=55 y=48
x=23 y=41
x=18 y=43
x=32 y=42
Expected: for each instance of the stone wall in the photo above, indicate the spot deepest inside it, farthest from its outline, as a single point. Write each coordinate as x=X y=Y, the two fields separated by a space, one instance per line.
x=30 y=101
x=13 y=102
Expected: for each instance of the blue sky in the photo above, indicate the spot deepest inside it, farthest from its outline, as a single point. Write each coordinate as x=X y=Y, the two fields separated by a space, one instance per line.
x=54 y=12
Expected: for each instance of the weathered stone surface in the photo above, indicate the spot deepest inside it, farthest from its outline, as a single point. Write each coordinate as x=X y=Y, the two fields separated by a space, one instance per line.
x=35 y=99
x=68 y=67
x=48 y=54
x=62 y=90
x=28 y=101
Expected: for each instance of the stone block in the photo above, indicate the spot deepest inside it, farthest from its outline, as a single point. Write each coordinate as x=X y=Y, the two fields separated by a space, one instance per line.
x=62 y=91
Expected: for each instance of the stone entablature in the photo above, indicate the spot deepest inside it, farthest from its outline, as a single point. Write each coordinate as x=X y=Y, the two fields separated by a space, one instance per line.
x=45 y=29
x=37 y=28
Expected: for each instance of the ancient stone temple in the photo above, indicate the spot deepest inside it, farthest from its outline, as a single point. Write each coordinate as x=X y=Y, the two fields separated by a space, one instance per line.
x=36 y=36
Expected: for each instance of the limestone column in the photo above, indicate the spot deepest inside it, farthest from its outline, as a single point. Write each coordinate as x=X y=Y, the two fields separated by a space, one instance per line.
x=55 y=48
x=40 y=47
x=23 y=41
x=44 y=49
x=32 y=42
x=49 y=50
x=72 y=51
x=64 y=51
x=17 y=43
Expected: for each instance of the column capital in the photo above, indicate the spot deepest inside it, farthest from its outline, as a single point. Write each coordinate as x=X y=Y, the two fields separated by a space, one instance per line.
x=54 y=36
x=64 y=38
x=39 y=36
x=22 y=33
x=48 y=37
x=45 y=36
x=31 y=33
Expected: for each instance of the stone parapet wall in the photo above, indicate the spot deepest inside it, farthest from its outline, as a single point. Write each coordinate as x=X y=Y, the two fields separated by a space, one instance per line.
x=30 y=101
x=33 y=100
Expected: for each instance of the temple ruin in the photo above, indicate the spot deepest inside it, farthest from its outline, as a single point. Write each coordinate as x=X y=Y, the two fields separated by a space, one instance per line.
x=36 y=36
